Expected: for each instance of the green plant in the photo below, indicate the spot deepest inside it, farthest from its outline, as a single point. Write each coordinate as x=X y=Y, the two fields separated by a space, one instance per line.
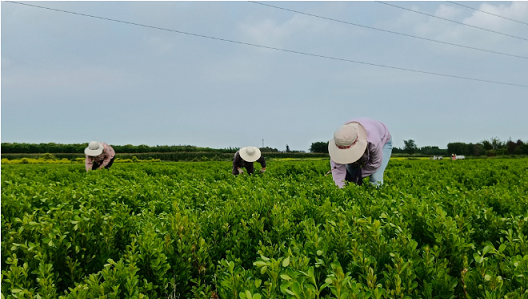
x=435 y=229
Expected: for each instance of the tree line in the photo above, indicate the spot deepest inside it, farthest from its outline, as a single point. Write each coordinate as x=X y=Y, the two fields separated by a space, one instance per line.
x=40 y=148
x=76 y=148
x=410 y=148
x=492 y=147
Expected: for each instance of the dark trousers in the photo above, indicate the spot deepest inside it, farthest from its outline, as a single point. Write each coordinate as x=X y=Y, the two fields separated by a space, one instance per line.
x=248 y=165
x=96 y=165
x=354 y=175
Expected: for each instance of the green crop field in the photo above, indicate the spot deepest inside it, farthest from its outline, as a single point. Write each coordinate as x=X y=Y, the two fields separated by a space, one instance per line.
x=436 y=229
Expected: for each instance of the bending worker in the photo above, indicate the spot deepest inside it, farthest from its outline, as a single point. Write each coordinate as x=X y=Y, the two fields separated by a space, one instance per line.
x=245 y=158
x=361 y=147
x=99 y=155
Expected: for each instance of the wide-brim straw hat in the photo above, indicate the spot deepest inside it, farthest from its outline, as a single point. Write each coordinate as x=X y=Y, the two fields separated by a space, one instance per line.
x=94 y=148
x=349 y=143
x=250 y=153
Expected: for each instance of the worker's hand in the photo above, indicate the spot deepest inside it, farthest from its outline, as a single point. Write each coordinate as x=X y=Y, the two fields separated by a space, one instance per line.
x=329 y=172
x=240 y=171
x=263 y=170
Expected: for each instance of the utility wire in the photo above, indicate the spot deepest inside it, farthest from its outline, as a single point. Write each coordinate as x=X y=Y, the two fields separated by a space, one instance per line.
x=433 y=16
x=383 y=30
x=272 y=48
x=489 y=13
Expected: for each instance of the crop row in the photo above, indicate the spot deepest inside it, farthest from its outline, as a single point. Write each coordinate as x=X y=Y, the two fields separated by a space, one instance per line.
x=171 y=156
x=436 y=229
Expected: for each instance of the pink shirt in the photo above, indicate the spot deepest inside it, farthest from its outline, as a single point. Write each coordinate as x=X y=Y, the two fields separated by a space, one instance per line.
x=377 y=136
x=105 y=157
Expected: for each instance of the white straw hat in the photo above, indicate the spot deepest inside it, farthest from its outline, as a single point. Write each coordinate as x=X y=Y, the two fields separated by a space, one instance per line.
x=94 y=148
x=349 y=143
x=250 y=153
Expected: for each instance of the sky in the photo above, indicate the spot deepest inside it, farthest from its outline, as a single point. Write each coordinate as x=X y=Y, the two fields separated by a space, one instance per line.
x=69 y=78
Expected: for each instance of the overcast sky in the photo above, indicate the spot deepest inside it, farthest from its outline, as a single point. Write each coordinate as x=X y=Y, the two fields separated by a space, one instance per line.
x=71 y=79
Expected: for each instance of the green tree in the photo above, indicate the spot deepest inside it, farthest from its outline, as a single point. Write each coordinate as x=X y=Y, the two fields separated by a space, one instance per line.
x=410 y=147
x=511 y=146
x=477 y=149
x=268 y=149
x=319 y=147
x=432 y=150
x=457 y=148
x=397 y=150
x=496 y=143
x=493 y=144
x=487 y=145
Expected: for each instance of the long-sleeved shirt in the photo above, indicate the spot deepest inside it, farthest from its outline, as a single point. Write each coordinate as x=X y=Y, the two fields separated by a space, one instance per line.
x=239 y=162
x=103 y=159
x=377 y=136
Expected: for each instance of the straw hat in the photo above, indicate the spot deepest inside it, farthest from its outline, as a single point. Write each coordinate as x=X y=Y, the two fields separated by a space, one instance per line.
x=250 y=153
x=349 y=143
x=94 y=148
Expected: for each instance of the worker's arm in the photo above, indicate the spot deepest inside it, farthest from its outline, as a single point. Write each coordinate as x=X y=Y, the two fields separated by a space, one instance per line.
x=88 y=163
x=338 y=173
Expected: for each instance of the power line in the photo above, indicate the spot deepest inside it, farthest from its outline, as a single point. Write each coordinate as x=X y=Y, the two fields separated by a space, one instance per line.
x=273 y=48
x=433 y=16
x=489 y=13
x=388 y=31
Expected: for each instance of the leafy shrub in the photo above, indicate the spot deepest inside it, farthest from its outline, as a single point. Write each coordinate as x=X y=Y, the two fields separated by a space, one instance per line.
x=436 y=229
x=48 y=156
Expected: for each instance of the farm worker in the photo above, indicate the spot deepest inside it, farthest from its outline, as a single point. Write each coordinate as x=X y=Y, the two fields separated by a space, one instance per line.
x=99 y=155
x=245 y=158
x=360 y=148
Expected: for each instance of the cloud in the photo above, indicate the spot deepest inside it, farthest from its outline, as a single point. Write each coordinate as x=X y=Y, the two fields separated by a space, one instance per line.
x=489 y=40
x=442 y=30
x=53 y=64
x=448 y=12
x=516 y=11
x=274 y=33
